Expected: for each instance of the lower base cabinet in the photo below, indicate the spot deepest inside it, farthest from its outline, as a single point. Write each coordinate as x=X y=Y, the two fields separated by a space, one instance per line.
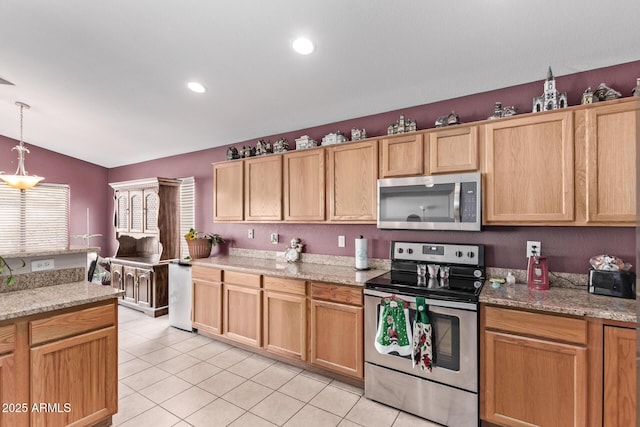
x=285 y=317
x=242 y=308
x=146 y=286
x=619 y=376
x=206 y=314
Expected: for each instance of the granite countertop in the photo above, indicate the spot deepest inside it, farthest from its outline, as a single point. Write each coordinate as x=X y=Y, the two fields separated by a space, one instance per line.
x=48 y=298
x=304 y=271
x=51 y=252
x=573 y=301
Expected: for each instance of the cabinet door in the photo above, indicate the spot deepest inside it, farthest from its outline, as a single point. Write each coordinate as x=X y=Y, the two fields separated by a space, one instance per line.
x=80 y=371
x=402 y=156
x=129 y=284
x=304 y=191
x=117 y=281
x=336 y=338
x=353 y=175
x=242 y=314
x=227 y=191
x=263 y=188
x=207 y=306
x=144 y=287
x=8 y=396
x=619 y=377
x=453 y=150
x=122 y=211
x=151 y=209
x=285 y=324
x=610 y=152
x=529 y=170
x=136 y=211
x=534 y=382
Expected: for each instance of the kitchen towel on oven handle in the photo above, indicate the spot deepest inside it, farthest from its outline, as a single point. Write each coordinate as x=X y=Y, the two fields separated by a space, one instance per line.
x=422 y=354
x=393 y=327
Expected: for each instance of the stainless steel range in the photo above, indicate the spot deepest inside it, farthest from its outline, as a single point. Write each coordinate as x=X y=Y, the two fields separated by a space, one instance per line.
x=453 y=279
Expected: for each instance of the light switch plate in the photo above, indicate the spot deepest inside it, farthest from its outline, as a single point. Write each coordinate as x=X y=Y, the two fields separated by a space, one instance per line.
x=42 y=264
x=250 y=233
x=341 y=242
x=274 y=238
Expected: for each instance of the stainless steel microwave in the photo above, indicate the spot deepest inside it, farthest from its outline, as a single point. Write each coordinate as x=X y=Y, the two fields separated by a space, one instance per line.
x=438 y=202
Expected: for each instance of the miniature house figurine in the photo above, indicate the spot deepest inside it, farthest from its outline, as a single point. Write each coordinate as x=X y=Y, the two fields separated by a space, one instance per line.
x=358 y=134
x=551 y=99
x=605 y=93
x=587 y=96
x=281 y=145
x=402 y=125
x=636 y=90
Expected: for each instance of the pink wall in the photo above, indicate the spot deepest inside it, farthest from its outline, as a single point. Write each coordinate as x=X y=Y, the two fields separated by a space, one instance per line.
x=569 y=248
x=87 y=182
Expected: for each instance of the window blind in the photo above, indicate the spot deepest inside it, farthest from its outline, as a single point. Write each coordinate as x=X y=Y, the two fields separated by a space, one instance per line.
x=187 y=211
x=34 y=219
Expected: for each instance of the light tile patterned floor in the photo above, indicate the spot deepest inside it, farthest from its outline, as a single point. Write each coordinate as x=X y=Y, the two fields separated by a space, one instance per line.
x=169 y=377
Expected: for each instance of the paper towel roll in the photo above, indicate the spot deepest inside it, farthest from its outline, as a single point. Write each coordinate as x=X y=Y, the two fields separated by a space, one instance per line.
x=362 y=262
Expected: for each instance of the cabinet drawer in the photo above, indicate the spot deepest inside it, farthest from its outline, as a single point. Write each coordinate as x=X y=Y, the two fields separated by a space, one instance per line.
x=206 y=273
x=74 y=323
x=7 y=339
x=289 y=286
x=541 y=325
x=337 y=293
x=244 y=279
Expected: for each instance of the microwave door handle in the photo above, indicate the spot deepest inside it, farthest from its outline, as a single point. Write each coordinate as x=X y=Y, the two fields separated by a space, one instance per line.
x=456 y=202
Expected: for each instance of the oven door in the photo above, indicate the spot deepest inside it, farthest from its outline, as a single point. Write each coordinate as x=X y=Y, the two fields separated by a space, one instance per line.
x=455 y=340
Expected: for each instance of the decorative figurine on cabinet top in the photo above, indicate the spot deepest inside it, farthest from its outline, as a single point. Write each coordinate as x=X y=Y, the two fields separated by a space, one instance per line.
x=551 y=99
x=605 y=93
x=305 y=142
x=357 y=134
x=636 y=90
x=263 y=147
x=292 y=252
x=333 y=138
x=281 y=146
x=587 y=97
x=448 y=120
x=232 y=153
x=498 y=111
x=248 y=151
x=402 y=125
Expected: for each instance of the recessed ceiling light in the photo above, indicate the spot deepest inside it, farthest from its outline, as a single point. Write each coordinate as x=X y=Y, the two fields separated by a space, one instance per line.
x=196 y=87
x=303 y=46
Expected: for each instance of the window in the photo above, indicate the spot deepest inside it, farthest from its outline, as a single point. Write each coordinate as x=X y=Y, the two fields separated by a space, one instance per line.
x=34 y=219
x=187 y=211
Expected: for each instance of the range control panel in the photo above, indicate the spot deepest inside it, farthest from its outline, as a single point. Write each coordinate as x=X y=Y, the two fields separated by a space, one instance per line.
x=438 y=253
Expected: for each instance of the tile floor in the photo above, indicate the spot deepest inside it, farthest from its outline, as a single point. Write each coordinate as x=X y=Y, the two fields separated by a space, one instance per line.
x=170 y=377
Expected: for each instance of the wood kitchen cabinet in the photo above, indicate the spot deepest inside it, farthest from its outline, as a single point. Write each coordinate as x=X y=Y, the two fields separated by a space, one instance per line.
x=353 y=174
x=304 y=185
x=336 y=328
x=8 y=381
x=285 y=317
x=263 y=188
x=402 y=155
x=534 y=368
x=620 y=405
x=606 y=138
x=227 y=191
x=117 y=279
x=145 y=285
x=206 y=314
x=242 y=308
x=73 y=360
x=138 y=285
x=453 y=150
x=137 y=211
x=529 y=170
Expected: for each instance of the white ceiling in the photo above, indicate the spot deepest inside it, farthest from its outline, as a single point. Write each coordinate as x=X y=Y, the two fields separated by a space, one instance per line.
x=106 y=79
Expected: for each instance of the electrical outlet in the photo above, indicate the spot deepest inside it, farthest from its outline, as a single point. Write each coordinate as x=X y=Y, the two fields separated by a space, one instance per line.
x=42 y=264
x=250 y=233
x=274 y=238
x=341 y=242
x=533 y=248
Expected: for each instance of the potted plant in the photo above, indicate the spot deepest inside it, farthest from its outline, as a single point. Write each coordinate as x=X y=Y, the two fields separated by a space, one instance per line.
x=200 y=244
x=11 y=280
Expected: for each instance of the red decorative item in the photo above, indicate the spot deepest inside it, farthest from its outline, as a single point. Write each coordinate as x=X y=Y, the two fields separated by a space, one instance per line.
x=538 y=273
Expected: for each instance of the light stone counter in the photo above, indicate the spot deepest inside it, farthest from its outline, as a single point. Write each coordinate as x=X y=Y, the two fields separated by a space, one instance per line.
x=304 y=271
x=48 y=298
x=575 y=301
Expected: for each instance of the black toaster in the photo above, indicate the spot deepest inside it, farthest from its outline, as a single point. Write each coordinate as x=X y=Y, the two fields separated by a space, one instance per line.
x=613 y=283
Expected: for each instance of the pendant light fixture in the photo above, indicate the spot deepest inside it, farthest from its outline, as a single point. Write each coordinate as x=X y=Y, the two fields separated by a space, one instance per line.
x=21 y=179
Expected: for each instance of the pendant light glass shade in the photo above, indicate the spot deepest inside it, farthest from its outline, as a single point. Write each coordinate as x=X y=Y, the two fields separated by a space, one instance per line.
x=21 y=179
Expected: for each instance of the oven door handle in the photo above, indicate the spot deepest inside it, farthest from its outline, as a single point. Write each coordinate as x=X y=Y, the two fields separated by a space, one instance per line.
x=428 y=301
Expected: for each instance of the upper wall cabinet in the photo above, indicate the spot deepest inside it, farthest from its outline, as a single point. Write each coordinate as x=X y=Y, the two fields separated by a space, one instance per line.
x=529 y=176
x=263 y=188
x=304 y=198
x=227 y=191
x=402 y=155
x=453 y=150
x=606 y=163
x=353 y=174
